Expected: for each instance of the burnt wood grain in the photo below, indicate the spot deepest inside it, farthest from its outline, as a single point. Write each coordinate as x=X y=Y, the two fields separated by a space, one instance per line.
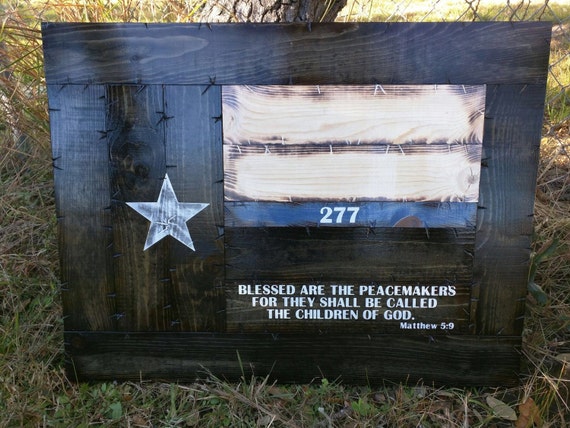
x=281 y=115
x=505 y=218
x=434 y=172
x=355 y=358
x=399 y=254
x=136 y=145
x=194 y=162
x=300 y=54
x=83 y=205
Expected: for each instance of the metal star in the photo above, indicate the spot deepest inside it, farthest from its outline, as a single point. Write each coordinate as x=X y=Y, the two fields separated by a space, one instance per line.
x=167 y=216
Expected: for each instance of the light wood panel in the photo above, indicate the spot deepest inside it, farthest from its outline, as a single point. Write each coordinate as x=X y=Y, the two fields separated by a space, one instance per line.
x=353 y=114
x=437 y=174
x=392 y=143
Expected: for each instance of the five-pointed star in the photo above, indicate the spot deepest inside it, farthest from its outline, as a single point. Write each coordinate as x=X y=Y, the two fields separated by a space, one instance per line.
x=167 y=216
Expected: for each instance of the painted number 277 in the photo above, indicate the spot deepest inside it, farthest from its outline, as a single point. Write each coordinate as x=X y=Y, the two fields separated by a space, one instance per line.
x=336 y=214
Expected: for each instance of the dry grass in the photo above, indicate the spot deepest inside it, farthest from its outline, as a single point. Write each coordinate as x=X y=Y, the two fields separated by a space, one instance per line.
x=34 y=391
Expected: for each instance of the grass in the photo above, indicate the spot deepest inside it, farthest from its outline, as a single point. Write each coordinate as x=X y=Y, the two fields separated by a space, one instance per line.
x=34 y=390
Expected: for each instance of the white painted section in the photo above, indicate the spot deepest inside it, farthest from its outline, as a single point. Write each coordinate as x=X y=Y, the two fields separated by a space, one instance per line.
x=167 y=216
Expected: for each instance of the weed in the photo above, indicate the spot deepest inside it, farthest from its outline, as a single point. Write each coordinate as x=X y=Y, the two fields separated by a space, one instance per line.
x=34 y=390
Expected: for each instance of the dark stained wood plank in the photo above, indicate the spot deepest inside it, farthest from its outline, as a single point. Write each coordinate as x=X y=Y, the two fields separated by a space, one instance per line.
x=81 y=176
x=326 y=53
x=349 y=254
x=136 y=147
x=355 y=358
x=357 y=256
x=351 y=214
x=325 y=307
x=194 y=163
x=505 y=220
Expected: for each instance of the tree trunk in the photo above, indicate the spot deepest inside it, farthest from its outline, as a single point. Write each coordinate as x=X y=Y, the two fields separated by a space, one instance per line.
x=270 y=10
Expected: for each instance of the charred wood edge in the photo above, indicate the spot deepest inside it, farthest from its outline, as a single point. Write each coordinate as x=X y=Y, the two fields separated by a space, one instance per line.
x=465 y=360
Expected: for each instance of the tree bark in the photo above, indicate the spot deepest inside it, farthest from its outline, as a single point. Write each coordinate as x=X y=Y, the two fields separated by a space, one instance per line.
x=270 y=10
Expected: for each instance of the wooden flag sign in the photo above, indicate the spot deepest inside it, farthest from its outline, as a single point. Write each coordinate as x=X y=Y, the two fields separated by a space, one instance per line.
x=338 y=200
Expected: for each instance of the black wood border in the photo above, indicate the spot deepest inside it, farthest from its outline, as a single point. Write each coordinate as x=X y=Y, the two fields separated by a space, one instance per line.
x=300 y=54
x=510 y=58
x=354 y=358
